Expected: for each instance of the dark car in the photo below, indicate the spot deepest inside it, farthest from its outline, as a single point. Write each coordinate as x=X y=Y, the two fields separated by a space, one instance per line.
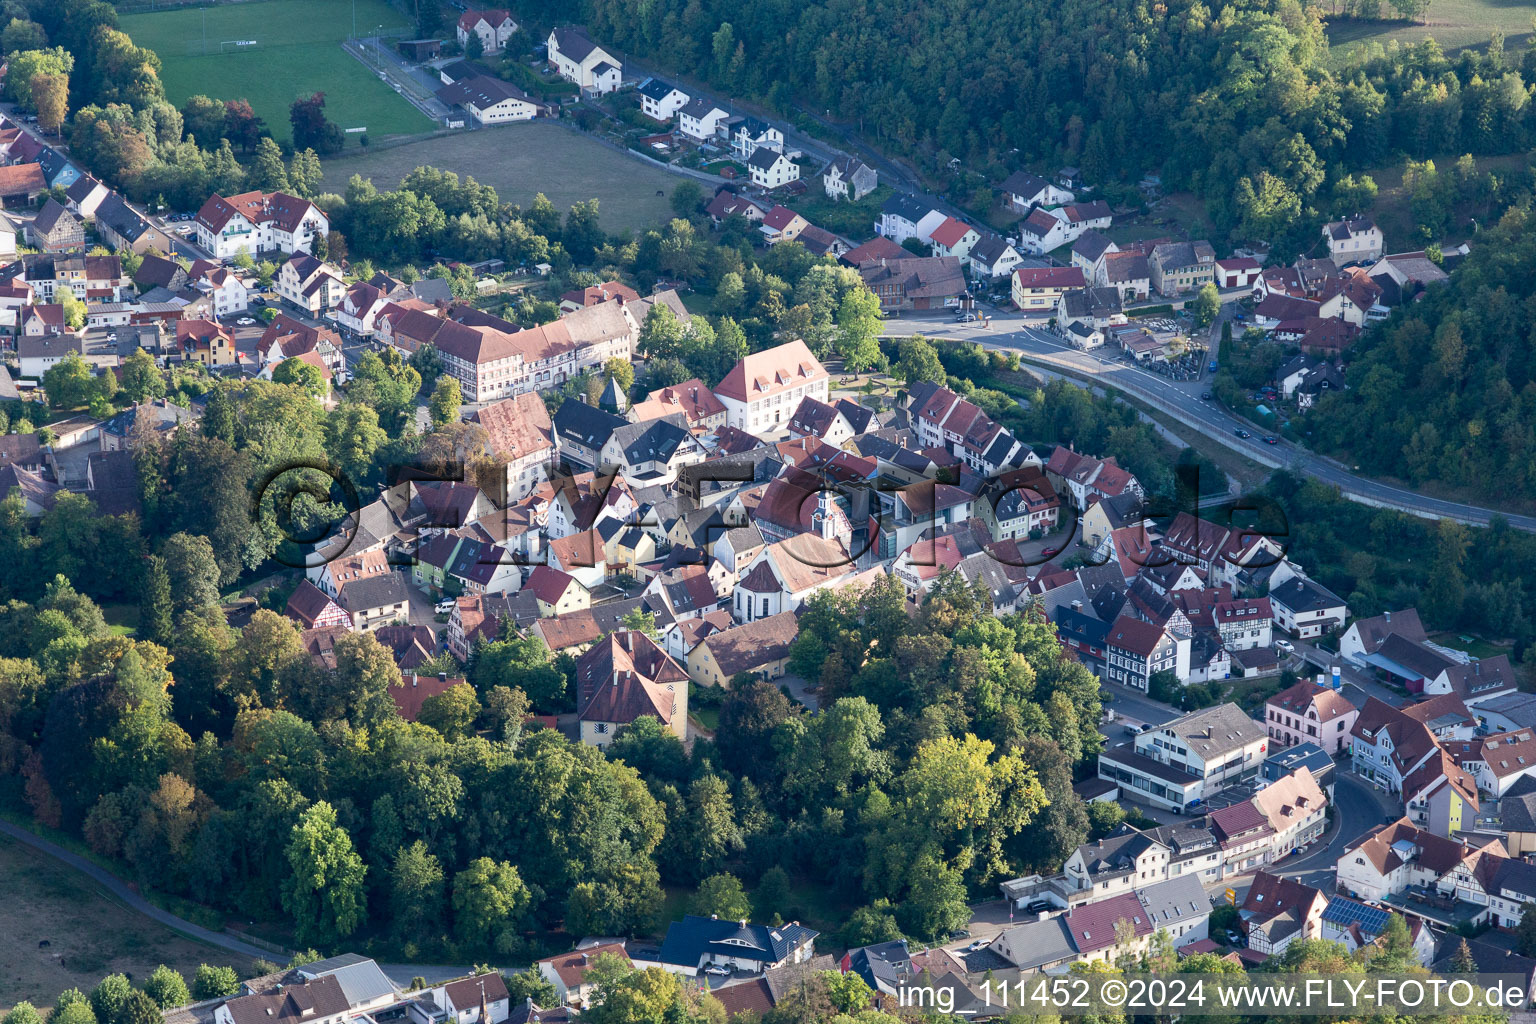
x=1039 y=906
x=1205 y=396
x=1271 y=439
x=1240 y=432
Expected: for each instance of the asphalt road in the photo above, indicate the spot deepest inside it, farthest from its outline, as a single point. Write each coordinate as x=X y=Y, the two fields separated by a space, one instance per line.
x=1181 y=400
x=1133 y=706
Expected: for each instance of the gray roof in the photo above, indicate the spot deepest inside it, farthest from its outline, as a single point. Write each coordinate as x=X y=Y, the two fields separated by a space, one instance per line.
x=700 y=106
x=657 y=89
x=1212 y=732
x=1173 y=255
x=989 y=249
x=360 y=978
x=1046 y=942
x=126 y=222
x=1303 y=595
x=584 y=424
x=764 y=158
x=1100 y=303
x=51 y=215
x=1092 y=244
x=1179 y=899
x=573 y=42
x=482 y=91
x=367 y=592
x=1519 y=708
x=906 y=207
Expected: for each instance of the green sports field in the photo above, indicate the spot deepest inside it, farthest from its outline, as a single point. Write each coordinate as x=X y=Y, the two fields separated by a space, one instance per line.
x=297 y=52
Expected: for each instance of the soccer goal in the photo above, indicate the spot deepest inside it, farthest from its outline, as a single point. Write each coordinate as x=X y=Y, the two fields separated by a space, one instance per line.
x=236 y=45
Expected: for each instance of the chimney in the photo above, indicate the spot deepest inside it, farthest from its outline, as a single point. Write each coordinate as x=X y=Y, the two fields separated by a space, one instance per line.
x=442 y=677
x=744 y=920
x=1387 y=616
x=413 y=680
x=1077 y=606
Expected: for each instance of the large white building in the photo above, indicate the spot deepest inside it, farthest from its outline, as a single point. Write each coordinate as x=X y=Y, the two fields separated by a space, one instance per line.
x=1177 y=765
x=576 y=58
x=259 y=222
x=762 y=391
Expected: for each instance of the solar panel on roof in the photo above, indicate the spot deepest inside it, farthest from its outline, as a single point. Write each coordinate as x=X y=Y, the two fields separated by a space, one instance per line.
x=1372 y=920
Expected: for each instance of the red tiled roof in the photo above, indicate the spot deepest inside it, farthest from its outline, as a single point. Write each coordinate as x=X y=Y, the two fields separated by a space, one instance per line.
x=949 y=233
x=549 y=584
x=571 y=968
x=412 y=691
x=22 y=178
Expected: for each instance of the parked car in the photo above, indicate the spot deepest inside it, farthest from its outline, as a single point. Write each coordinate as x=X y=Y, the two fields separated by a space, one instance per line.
x=1214 y=366
x=444 y=607
x=978 y=944
x=1040 y=906
x=1285 y=645
x=966 y=318
x=717 y=971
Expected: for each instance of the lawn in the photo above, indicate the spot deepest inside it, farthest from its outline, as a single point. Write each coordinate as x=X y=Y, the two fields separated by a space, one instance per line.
x=851 y=220
x=520 y=160
x=1473 y=645
x=89 y=934
x=122 y=619
x=297 y=52
x=1453 y=24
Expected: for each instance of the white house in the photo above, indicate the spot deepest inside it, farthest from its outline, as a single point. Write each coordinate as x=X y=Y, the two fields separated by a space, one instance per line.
x=763 y=390
x=310 y=284
x=1353 y=240
x=770 y=168
x=749 y=134
x=954 y=238
x=576 y=58
x=700 y=119
x=1021 y=190
x=257 y=223
x=993 y=256
x=1305 y=609
x=1043 y=230
x=223 y=286
x=849 y=178
x=660 y=100
x=481 y=999
x=358 y=308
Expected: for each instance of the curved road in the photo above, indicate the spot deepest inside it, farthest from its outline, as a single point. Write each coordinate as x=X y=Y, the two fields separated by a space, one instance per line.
x=400 y=974
x=1043 y=348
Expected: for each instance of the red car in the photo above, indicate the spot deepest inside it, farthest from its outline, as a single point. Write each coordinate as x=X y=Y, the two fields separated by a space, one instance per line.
x=1049 y=552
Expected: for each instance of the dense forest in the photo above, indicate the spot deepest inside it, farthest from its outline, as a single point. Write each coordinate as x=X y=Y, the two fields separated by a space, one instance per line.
x=1445 y=392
